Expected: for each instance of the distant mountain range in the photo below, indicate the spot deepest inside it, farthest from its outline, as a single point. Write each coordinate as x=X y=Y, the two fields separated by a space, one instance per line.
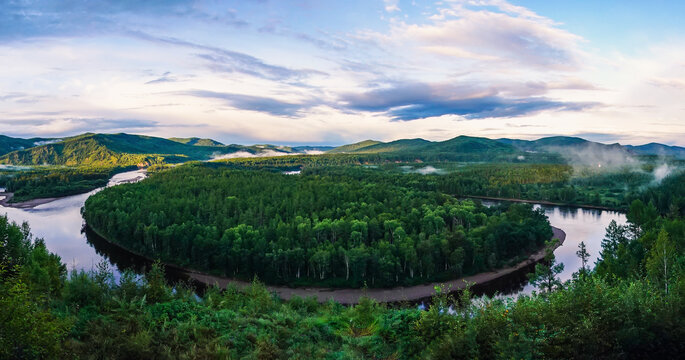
x=9 y=144
x=467 y=144
x=126 y=150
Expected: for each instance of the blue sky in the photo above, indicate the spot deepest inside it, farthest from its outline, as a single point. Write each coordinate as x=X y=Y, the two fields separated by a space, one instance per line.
x=332 y=72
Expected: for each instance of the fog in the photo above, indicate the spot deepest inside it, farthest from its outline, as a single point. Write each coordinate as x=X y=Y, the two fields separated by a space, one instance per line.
x=595 y=158
x=598 y=156
x=423 y=171
x=662 y=171
x=45 y=142
x=246 y=154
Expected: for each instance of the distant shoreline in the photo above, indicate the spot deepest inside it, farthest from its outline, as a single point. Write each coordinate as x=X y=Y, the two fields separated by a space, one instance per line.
x=29 y=204
x=351 y=296
x=541 y=202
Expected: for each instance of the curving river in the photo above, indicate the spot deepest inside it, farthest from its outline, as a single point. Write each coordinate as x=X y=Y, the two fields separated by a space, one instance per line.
x=61 y=225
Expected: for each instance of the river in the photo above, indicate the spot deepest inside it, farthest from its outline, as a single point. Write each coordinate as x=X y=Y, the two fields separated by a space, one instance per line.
x=60 y=224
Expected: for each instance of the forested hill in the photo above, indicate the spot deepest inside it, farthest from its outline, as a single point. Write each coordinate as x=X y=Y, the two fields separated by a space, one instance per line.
x=117 y=150
x=353 y=147
x=9 y=144
x=460 y=144
x=499 y=147
x=342 y=226
x=562 y=144
x=461 y=148
x=196 y=141
x=112 y=150
x=658 y=149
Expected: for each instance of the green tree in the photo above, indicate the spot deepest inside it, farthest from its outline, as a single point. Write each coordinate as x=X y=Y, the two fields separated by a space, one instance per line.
x=546 y=274
x=584 y=256
x=662 y=260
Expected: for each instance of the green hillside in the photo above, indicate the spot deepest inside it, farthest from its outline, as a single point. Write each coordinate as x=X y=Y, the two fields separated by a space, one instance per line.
x=560 y=143
x=403 y=145
x=196 y=141
x=468 y=144
x=461 y=145
x=9 y=144
x=353 y=147
x=658 y=149
x=108 y=150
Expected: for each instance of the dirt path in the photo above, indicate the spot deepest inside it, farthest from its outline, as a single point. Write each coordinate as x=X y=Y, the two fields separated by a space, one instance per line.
x=25 y=204
x=391 y=295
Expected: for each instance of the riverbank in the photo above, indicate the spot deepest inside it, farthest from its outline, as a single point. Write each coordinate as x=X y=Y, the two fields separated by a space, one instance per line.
x=352 y=296
x=542 y=202
x=6 y=197
x=29 y=204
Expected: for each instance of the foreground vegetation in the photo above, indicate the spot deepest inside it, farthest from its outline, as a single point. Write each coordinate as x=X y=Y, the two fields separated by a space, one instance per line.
x=346 y=226
x=631 y=306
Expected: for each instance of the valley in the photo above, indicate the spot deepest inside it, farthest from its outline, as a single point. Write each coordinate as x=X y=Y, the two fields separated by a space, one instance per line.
x=374 y=235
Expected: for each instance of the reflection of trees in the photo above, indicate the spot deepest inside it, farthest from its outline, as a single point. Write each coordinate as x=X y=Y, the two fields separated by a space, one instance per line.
x=125 y=260
x=568 y=212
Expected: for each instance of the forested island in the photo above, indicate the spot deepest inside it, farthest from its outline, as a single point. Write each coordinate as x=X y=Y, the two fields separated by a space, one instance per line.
x=339 y=226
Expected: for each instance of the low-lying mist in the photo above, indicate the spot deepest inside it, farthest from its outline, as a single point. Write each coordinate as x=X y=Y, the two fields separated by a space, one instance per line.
x=603 y=158
x=246 y=154
x=597 y=159
x=423 y=170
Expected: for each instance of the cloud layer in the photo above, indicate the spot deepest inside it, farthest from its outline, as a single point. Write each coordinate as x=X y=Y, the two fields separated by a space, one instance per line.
x=331 y=72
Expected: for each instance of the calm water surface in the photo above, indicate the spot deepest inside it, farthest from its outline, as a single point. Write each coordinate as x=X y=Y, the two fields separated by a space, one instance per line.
x=580 y=225
x=61 y=225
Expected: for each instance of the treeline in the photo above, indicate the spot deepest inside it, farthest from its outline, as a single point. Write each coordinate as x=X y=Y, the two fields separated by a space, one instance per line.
x=45 y=182
x=46 y=313
x=546 y=182
x=345 y=226
x=668 y=196
x=558 y=183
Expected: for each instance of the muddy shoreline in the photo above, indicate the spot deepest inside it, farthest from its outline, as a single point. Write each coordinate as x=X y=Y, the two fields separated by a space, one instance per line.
x=29 y=204
x=351 y=296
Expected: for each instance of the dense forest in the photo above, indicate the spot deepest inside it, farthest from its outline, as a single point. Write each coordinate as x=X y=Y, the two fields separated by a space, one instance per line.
x=630 y=307
x=344 y=226
x=668 y=196
x=52 y=181
x=561 y=184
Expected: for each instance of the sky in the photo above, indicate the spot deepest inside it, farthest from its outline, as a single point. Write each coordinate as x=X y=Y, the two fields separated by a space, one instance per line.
x=335 y=72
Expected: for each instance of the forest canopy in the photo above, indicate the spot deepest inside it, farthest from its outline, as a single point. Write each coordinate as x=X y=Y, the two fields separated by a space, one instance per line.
x=338 y=226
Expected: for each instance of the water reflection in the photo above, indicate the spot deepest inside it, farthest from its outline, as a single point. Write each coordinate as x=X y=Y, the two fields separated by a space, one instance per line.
x=580 y=225
x=587 y=225
x=59 y=223
x=122 y=259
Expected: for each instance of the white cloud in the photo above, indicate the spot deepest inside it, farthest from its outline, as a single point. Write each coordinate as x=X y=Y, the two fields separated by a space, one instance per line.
x=64 y=84
x=391 y=5
x=508 y=34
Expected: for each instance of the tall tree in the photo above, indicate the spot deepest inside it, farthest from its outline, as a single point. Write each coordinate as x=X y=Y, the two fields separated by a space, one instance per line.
x=546 y=274
x=662 y=259
x=584 y=256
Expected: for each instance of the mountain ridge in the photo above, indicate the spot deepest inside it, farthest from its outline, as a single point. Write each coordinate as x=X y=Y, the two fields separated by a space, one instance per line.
x=128 y=149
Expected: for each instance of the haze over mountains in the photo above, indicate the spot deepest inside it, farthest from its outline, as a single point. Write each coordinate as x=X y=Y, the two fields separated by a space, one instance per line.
x=127 y=150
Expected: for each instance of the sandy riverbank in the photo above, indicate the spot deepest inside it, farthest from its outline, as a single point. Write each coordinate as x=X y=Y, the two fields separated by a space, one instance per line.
x=352 y=296
x=391 y=295
x=24 y=204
